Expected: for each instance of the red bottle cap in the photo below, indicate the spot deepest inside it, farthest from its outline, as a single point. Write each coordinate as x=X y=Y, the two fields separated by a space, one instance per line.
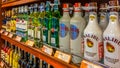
x=65 y=5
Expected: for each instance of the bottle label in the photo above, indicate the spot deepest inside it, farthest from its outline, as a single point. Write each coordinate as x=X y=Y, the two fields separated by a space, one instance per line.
x=53 y=40
x=93 y=47
x=63 y=30
x=74 y=32
x=38 y=34
x=44 y=38
x=112 y=49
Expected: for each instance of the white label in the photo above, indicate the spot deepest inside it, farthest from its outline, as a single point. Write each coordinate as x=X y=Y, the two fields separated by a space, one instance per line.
x=92 y=46
x=32 y=33
x=63 y=56
x=44 y=38
x=29 y=32
x=47 y=50
x=52 y=40
x=38 y=34
x=111 y=52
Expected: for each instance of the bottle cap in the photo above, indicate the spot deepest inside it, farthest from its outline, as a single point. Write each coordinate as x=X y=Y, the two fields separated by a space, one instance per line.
x=114 y=5
x=93 y=6
x=87 y=5
x=65 y=5
x=77 y=7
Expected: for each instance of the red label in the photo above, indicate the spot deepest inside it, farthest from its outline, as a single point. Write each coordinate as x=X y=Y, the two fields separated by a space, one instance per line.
x=101 y=50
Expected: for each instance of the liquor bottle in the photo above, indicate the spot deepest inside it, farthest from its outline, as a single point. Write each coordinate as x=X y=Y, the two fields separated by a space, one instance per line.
x=103 y=16
x=46 y=24
x=30 y=24
x=77 y=24
x=29 y=64
x=111 y=37
x=24 y=60
x=8 y=53
x=55 y=25
x=64 y=37
x=37 y=31
x=16 y=59
x=34 y=62
x=86 y=17
x=21 y=57
x=11 y=55
x=14 y=55
x=93 y=37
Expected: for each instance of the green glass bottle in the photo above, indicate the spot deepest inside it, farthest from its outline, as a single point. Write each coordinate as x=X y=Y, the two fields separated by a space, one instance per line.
x=46 y=24
x=55 y=25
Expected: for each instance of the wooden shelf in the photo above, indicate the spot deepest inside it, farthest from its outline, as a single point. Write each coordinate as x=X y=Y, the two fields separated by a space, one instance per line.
x=15 y=3
x=40 y=54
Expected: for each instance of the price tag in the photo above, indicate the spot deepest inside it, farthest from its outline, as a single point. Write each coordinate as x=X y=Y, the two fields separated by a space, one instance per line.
x=1 y=31
x=87 y=64
x=63 y=56
x=10 y=35
x=6 y=33
x=1 y=64
x=29 y=42
x=47 y=50
x=18 y=38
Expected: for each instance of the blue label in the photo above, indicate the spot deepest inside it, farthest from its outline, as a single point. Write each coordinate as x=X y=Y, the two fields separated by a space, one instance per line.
x=74 y=32
x=63 y=30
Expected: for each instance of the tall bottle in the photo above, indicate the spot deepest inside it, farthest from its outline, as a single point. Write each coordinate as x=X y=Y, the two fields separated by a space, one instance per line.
x=93 y=37
x=30 y=24
x=77 y=24
x=86 y=17
x=64 y=37
x=103 y=16
x=55 y=25
x=46 y=24
x=112 y=38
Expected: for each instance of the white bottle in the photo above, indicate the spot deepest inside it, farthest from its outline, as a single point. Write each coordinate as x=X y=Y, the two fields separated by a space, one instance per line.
x=112 y=40
x=64 y=36
x=103 y=17
x=77 y=24
x=93 y=37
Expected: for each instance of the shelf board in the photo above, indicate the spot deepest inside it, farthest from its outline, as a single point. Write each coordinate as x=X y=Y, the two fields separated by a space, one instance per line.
x=40 y=54
x=19 y=2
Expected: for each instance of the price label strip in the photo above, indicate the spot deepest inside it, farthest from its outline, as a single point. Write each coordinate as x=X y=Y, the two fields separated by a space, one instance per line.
x=87 y=64
x=47 y=50
x=6 y=33
x=29 y=43
x=63 y=56
x=18 y=38
x=10 y=35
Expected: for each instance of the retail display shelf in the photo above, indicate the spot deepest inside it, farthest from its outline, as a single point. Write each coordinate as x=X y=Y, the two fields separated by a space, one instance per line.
x=40 y=54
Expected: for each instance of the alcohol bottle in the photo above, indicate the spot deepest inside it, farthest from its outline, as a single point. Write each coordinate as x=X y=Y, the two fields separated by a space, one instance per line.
x=14 y=56
x=111 y=37
x=37 y=25
x=24 y=60
x=30 y=24
x=29 y=64
x=77 y=24
x=17 y=58
x=103 y=16
x=93 y=37
x=46 y=24
x=55 y=25
x=86 y=17
x=8 y=53
x=34 y=62
x=64 y=37
x=21 y=57
x=11 y=55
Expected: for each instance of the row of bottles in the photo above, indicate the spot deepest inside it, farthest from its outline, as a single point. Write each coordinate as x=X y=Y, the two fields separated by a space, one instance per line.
x=82 y=36
x=17 y=58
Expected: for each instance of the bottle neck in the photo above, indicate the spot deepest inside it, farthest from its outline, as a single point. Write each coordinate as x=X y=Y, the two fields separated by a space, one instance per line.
x=93 y=17
x=65 y=13
x=113 y=18
x=77 y=13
